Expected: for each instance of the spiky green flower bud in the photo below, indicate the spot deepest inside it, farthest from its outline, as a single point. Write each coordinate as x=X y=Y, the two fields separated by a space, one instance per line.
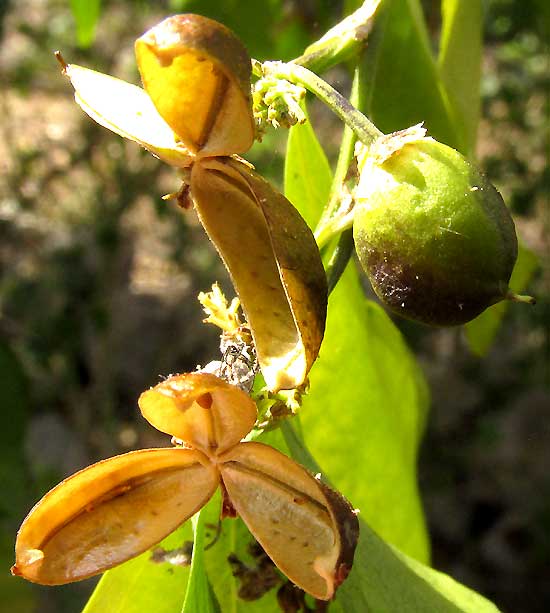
x=277 y=102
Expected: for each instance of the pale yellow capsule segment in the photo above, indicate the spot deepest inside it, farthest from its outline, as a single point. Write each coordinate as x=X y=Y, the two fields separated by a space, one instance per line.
x=200 y=409
x=197 y=73
x=300 y=267
x=126 y=110
x=309 y=531
x=273 y=261
x=111 y=512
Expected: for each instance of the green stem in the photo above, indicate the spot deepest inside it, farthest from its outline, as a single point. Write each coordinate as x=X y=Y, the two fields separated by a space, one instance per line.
x=344 y=249
x=345 y=158
x=521 y=298
x=333 y=227
x=339 y=259
x=363 y=128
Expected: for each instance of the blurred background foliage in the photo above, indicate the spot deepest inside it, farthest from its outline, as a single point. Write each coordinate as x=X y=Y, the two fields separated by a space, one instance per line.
x=100 y=277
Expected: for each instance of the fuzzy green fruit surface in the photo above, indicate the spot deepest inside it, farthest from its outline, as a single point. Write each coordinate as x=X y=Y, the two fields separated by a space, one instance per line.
x=433 y=235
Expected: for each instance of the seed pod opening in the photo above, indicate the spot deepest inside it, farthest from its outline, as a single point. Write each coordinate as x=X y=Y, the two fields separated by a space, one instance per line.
x=194 y=113
x=197 y=73
x=200 y=409
x=433 y=235
x=309 y=531
x=274 y=263
x=126 y=110
x=111 y=512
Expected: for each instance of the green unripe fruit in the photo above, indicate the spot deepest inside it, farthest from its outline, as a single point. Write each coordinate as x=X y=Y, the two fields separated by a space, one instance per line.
x=433 y=235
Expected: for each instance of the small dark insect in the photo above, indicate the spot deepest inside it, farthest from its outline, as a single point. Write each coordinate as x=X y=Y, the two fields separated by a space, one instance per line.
x=239 y=364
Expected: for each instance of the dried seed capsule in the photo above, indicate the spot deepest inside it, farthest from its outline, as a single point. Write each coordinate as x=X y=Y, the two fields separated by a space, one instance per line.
x=197 y=73
x=274 y=263
x=111 y=512
x=126 y=110
x=201 y=410
x=432 y=233
x=194 y=112
x=118 y=508
x=307 y=529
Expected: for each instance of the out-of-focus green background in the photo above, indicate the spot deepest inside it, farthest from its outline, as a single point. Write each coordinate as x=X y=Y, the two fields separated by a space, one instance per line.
x=100 y=276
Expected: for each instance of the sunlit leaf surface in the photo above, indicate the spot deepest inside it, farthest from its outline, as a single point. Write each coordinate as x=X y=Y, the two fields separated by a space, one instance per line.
x=460 y=64
x=198 y=596
x=482 y=330
x=404 y=77
x=387 y=581
x=309 y=193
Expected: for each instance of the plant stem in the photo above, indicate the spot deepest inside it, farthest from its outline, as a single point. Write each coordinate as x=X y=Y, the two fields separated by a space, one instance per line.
x=334 y=227
x=345 y=158
x=344 y=249
x=197 y=595
x=339 y=259
x=521 y=298
x=363 y=128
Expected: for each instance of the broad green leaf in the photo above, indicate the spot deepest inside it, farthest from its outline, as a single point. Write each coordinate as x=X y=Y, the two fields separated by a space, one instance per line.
x=306 y=189
x=85 y=13
x=234 y=539
x=460 y=64
x=198 y=596
x=404 y=80
x=367 y=402
x=265 y=32
x=385 y=580
x=16 y=593
x=142 y=585
x=364 y=416
x=481 y=332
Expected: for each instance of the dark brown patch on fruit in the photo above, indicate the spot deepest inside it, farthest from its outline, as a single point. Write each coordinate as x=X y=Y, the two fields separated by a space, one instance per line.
x=424 y=294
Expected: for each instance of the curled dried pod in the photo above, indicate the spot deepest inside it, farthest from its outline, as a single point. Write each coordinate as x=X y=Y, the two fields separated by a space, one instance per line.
x=432 y=233
x=195 y=113
x=120 y=507
x=274 y=264
x=197 y=73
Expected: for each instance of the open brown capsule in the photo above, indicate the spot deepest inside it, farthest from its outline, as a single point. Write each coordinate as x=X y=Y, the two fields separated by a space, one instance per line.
x=197 y=73
x=273 y=261
x=111 y=512
x=307 y=529
x=200 y=409
x=120 y=507
x=195 y=111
